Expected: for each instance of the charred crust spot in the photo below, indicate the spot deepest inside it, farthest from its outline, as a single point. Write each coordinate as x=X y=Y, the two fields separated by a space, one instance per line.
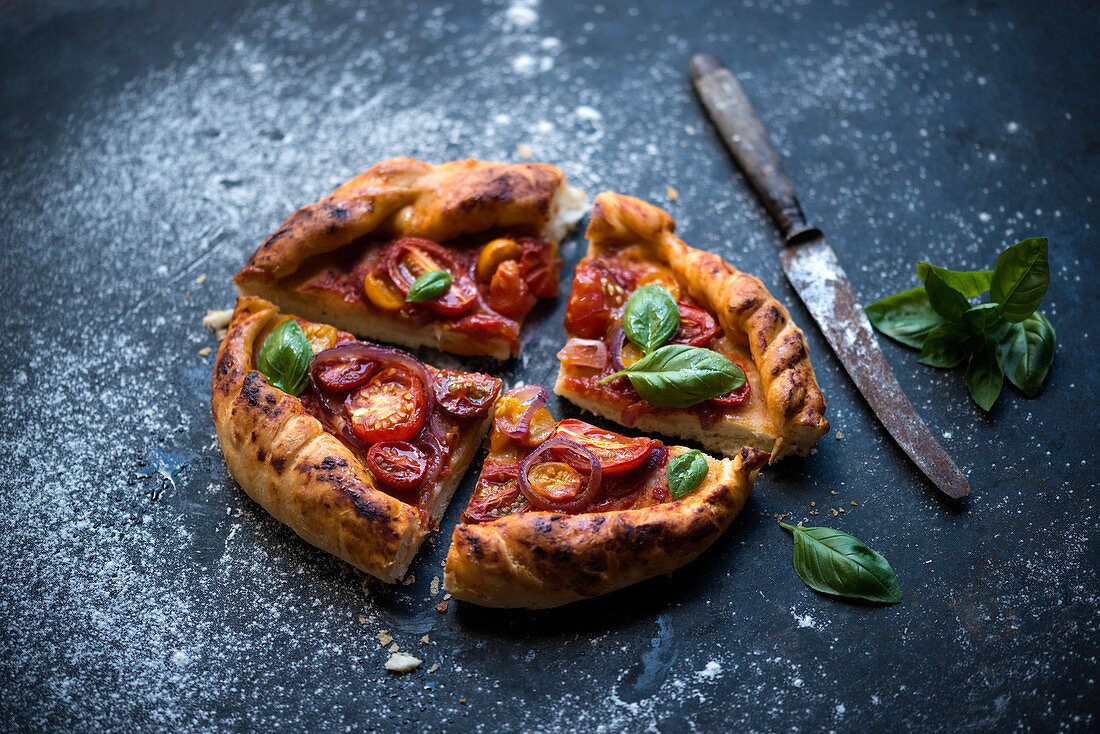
x=337 y=212
x=472 y=542
x=254 y=437
x=768 y=318
x=792 y=350
x=225 y=363
x=270 y=399
x=275 y=237
x=250 y=390
x=260 y=453
x=331 y=462
x=278 y=465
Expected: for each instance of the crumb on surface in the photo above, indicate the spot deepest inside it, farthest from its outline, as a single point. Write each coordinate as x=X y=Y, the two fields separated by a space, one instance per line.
x=384 y=638
x=425 y=639
x=673 y=194
x=201 y=279
x=441 y=607
x=394 y=647
x=839 y=436
x=216 y=321
x=434 y=588
x=435 y=667
x=399 y=662
x=205 y=351
x=524 y=151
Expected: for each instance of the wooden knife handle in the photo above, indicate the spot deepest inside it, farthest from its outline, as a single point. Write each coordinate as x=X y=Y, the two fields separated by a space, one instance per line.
x=744 y=134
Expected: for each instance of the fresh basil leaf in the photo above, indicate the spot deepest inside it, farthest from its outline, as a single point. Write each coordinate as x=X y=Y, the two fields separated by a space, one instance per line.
x=907 y=317
x=429 y=286
x=946 y=347
x=285 y=356
x=686 y=472
x=834 y=562
x=983 y=376
x=651 y=317
x=984 y=318
x=968 y=282
x=1021 y=275
x=948 y=302
x=679 y=376
x=1026 y=351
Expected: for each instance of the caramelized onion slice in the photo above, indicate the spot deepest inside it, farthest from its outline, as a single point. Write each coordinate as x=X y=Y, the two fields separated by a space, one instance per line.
x=558 y=457
x=529 y=397
x=579 y=352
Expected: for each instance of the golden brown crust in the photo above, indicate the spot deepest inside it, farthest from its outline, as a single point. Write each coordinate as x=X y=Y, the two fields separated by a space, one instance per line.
x=407 y=197
x=742 y=304
x=285 y=461
x=538 y=560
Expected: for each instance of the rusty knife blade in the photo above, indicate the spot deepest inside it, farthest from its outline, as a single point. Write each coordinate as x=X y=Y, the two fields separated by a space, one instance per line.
x=813 y=270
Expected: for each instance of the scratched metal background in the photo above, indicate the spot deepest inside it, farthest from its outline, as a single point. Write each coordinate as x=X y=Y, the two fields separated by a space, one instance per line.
x=145 y=144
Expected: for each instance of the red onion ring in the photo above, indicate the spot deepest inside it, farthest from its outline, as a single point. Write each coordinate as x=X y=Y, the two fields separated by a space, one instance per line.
x=615 y=350
x=369 y=353
x=538 y=395
x=575 y=455
x=627 y=482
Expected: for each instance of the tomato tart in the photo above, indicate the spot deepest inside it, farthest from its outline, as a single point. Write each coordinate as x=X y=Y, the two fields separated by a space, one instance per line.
x=564 y=510
x=663 y=337
x=357 y=447
x=452 y=256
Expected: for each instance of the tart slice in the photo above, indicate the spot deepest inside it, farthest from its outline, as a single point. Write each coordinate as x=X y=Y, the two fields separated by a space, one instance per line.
x=357 y=447
x=452 y=256
x=667 y=338
x=565 y=511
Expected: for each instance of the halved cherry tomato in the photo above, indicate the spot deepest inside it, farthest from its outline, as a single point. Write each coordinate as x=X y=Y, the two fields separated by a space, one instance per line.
x=487 y=326
x=381 y=292
x=319 y=336
x=397 y=463
x=465 y=394
x=345 y=375
x=497 y=495
x=508 y=292
x=733 y=398
x=410 y=257
x=391 y=406
x=588 y=312
x=616 y=453
x=556 y=480
x=493 y=254
x=697 y=327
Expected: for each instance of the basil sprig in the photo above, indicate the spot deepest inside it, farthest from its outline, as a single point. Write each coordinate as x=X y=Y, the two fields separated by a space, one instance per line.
x=834 y=562
x=650 y=317
x=679 y=376
x=285 y=356
x=429 y=286
x=686 y=472
x=1006 y=337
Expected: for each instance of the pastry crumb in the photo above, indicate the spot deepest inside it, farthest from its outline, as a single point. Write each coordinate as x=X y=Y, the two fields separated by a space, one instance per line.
x=362 y=619
x=205 y=351
x=813 y=504
x=394 y=648
x=839 y=436
x=446 y=597
x=399 y=662
x=425 y=639
x=834 y=513
x=441 y=607
x=854 y=505
x=462 y=701
x=673 y=194
x=410 y=580
x=217 y=320
x=434 y=588
x=524 y=151
x=201 y=279
x=435 y=667
x=384 y=638
x=832 y=491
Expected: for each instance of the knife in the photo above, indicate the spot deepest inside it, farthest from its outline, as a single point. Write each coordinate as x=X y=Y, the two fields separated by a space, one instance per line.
x=813 y=269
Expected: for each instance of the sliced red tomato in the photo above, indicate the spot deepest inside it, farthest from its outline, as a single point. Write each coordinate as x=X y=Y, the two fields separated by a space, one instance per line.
x=397 y=463
x=733 y=398
x=697 y=327
x=344 y=375
x=391 y=406
x=616 y=453
x=539 y=264
x=465 y=394
x=410 y=257
x=487 y=326
x=497 y=495
x=588 y=312
x=508 y=292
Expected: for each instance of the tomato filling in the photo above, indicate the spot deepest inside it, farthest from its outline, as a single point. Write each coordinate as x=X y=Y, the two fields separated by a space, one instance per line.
x=567 y=467
x=494 y=282
x=601 y=287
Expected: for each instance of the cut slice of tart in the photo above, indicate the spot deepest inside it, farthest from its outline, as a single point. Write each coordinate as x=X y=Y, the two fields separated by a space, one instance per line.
x=564 y=510
x=357 y=447
x=639 y=283
x=354 y=258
